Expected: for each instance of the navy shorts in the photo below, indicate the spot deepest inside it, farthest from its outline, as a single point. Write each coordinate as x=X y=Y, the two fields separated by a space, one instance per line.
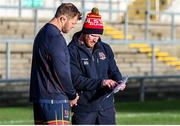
x=52 y=113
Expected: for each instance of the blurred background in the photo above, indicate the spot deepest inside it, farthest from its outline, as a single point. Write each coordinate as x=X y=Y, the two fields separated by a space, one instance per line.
x=142 y=33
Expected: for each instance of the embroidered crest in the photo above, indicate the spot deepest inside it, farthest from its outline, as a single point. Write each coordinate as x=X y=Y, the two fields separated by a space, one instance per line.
x=102 y=56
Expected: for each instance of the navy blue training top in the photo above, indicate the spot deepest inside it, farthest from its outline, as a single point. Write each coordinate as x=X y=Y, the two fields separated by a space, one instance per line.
x=50 y=72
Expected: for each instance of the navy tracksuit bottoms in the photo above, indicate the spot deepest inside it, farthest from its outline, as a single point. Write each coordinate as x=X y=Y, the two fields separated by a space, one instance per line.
x=105 y=117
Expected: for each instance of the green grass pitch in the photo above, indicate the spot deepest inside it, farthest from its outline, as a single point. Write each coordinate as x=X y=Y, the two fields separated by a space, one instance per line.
x=151 y=112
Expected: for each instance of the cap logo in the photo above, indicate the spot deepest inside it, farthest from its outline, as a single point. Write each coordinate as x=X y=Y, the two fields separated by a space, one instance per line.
x=94 y=22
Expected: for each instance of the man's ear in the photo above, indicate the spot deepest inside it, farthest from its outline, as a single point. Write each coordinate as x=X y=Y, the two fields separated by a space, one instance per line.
x=63 y=18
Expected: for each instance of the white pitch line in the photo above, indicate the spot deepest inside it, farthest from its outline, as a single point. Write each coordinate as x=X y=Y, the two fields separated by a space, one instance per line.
x=15 y=122
x=174 y=115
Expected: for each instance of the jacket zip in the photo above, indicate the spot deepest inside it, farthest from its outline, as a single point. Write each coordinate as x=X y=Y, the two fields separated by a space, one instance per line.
x=96 y=63
x=92 y=58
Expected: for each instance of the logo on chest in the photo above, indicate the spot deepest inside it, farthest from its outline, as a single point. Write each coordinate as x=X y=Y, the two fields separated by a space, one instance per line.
x=85 y=61
x=102 y=56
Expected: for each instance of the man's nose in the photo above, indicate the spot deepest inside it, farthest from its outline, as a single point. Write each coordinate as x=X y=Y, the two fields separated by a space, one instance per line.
x=95 y=39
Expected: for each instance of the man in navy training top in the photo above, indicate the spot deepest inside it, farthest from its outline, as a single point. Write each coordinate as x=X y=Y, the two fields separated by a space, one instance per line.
x=94 y=73
x=51 y=88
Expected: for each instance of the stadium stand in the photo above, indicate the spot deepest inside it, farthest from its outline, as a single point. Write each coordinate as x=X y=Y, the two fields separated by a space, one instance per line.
x=133 y=62
x=133 y=59
x=161 y=56
x=138 y=9
x=115 y=33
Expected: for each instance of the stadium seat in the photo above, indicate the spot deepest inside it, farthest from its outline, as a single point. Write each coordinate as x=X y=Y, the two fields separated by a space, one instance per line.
x=115 y=33
x=164 y=57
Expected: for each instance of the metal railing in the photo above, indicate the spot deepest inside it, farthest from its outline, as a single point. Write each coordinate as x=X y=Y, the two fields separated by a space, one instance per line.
x=140 y=80
x=8 y=43
x=10 y=81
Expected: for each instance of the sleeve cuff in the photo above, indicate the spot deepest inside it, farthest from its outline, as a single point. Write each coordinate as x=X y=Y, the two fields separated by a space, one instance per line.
x=71 y=96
